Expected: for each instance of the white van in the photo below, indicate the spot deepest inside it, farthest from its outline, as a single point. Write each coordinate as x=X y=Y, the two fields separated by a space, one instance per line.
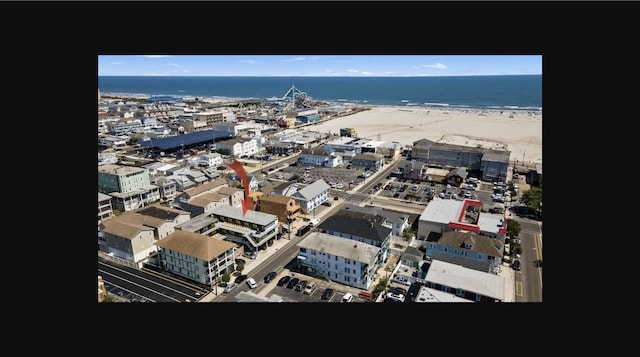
x=347 y=298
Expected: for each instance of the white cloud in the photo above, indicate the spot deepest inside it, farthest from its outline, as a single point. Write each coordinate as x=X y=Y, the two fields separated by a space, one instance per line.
x=435 y=65
x=301 y=59
x=248 y=61
x=173 y=65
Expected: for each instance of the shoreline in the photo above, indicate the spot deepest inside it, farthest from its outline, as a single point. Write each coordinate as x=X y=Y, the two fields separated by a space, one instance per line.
x=518 y=130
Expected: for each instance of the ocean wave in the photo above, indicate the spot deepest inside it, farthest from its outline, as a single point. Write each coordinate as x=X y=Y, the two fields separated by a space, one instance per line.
x=436 y=104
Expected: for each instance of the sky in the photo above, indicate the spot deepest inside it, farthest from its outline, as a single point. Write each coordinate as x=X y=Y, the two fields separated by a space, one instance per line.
x=318 y=65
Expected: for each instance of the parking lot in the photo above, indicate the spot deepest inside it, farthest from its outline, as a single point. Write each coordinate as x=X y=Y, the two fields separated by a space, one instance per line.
x=291 y=295
x=338 y=177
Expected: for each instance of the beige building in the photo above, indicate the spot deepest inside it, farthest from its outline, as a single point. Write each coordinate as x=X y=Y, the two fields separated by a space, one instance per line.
x=197 y=257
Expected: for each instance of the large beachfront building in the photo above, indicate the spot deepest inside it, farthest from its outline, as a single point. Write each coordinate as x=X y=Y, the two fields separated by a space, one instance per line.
x=129 y=187
x=346 y=261
x=488 y=164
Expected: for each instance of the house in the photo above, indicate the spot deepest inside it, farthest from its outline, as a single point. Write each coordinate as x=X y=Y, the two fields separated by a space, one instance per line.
x=360 y=227
x=338 y=259
x=467 y=249
x=320 y=156
x=312 y=195
x=368 y=161
x=456 y=176
x=397 y=221
x=282 y=206
x=210 y=160
x=105 y=210
x=202 y=259
x=286 y=189
x=129 y=187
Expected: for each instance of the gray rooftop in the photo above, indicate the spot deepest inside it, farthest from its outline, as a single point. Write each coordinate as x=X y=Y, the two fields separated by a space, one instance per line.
x=456 y=276
x=342 y=247
x=256 y=217
x=358 y=227
x=314 y=189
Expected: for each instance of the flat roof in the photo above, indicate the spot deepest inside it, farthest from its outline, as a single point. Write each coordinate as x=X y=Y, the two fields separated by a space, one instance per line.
x=174 y=142
x=339 y=246
x=458 y=277
x=256 y=217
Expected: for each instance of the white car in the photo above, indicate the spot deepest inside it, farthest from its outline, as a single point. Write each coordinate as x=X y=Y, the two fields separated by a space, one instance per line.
x=347 y=298
x=395 y=296
x=230 y=286
x=252 y=283
x=314 y=222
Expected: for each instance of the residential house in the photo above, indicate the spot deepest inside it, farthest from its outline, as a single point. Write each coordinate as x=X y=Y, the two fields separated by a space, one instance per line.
x=312 y=195
x=129 y=187
x=457 y=176
x=202 y=259
x=467 y=249
x=346 y=261
x=368 y=161
x=365 y=228
x=281 y=206
x=105 y=210
x=210 y=160
x=319 y=156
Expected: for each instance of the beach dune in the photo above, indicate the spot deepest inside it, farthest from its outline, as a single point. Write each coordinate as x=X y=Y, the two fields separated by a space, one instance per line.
x=518 y=132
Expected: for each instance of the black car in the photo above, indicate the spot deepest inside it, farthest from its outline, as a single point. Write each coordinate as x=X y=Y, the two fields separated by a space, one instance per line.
x=270 y=276
x=516 y=265
x=327 y=294
x=240 y=278
x=292 y=283
x=301 y=285
x=285 y=279
x=398 y=290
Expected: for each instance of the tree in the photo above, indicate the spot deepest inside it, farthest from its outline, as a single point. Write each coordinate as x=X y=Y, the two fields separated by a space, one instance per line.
x=533 y=198
x=226 y=277
x=407 y=233
x=513 y=228
x=240 y=267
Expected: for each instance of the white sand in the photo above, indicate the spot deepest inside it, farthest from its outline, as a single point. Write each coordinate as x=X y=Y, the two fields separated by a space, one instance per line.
x=518 y=132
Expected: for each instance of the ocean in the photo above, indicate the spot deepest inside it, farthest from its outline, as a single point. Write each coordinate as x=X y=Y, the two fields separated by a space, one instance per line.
x=514 y=92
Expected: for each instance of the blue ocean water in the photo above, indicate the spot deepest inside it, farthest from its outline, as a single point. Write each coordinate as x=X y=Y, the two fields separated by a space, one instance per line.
x=516 y=92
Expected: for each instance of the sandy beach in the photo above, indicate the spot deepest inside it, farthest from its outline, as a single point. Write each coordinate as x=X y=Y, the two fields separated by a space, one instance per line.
x=517 y=132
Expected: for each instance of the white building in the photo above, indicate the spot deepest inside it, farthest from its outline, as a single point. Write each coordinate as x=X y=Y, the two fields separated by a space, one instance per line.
x=312 y=196
x=339 y=259
x=210 y=160
x=466 y=283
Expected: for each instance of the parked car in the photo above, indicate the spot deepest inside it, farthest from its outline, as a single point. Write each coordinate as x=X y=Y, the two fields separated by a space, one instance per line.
x=395 y=296
x=516 y=265
x=284 y=280
x=327 y=294
x=240 y=279
x=229 y=287
x=398 y=290
x=310 y=288
x=252 y=283
x=326 y=203
x=270 y=276
x=292 y=283
x=347 y=298
x=301 y=285
x=250 y=254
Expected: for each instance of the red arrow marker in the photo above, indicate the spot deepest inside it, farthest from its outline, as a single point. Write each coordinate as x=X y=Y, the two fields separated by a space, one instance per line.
x=237 y=167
